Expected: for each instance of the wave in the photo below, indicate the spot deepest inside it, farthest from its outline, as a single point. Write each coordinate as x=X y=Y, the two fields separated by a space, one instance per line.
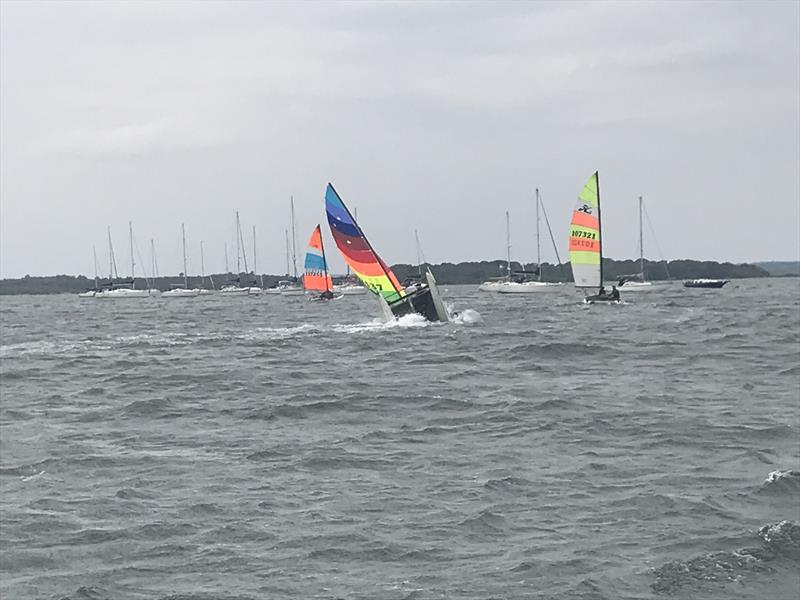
x=782 y=482
x=27 y=470
x=780 y=542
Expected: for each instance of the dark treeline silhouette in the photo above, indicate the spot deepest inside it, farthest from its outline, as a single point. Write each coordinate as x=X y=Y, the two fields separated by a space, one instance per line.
x=449 y=273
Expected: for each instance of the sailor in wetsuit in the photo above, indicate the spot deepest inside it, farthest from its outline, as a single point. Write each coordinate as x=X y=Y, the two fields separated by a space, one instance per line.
x=326 y=295
x=602 y=291
x=614 y=292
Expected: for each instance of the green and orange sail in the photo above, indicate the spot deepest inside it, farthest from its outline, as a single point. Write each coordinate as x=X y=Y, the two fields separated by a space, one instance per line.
x=585 y=248
x=316 y=277
x=358 y=252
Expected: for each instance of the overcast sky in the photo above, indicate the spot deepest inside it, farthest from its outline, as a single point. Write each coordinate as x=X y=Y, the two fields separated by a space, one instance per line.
x=433 y=116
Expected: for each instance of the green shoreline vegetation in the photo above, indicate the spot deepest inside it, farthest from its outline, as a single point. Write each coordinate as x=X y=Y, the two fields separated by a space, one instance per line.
x=446 y=273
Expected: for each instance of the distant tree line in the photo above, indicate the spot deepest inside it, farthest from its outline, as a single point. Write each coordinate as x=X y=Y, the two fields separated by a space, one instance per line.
x=449 y=273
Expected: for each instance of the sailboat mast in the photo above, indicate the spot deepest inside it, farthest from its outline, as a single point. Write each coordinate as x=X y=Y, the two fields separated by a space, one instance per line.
x=641 y=240
x=185 y=273
x=419 y=257
x=202 y=263
x=538 y=246
x=133 y=262
x=112 y=261
x=286 y=235
x=324 y=260
x=153 y=257
x=508 y=246
x=599 y=225
x=294 y=244
x=255 y=268
x=238 y=247
x=94 y=255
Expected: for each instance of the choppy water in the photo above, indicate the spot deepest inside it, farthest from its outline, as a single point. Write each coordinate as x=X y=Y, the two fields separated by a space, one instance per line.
x=276 y=448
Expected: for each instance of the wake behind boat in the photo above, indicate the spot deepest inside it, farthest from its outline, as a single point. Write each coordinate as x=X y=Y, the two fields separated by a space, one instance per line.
x=585 y=244
x=422 y=298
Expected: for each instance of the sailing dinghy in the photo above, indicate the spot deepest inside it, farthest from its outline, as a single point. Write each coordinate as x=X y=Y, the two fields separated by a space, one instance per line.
x=316 y=277
x=421 y=298
x=585 y=243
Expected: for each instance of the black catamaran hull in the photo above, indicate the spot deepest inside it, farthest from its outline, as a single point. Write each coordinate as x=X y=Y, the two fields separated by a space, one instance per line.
x=425 y=301
x=601 y=300
x=705 y=284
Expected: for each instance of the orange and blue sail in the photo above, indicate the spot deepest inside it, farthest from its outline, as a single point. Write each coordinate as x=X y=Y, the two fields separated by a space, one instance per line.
x=357 y=251
x=316 y=277
x=585 y=252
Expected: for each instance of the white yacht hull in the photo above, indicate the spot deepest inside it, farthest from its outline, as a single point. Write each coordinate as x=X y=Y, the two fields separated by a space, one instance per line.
x=350 y=290
x=181 y=293
x=529 y=287
x=234 y=291
x=123 y=294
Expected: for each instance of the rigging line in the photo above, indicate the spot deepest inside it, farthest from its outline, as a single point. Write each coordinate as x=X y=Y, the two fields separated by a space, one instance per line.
x=550 y=231
x=655 y=239
x=147 y=280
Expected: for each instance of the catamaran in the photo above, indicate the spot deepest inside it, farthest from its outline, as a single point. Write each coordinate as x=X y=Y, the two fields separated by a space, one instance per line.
x=585 y=243
x=316 y=277
x=421 y=298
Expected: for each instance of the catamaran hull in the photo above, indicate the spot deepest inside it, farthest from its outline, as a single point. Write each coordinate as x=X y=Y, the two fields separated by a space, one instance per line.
x=705 y=283
x=601 y=300
x=425 y=301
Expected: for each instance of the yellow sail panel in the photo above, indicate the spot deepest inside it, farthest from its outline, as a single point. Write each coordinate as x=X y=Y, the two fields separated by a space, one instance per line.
x=585 y=253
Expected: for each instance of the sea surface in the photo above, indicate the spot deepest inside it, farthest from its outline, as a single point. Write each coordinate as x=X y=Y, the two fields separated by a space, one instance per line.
x=272 y=447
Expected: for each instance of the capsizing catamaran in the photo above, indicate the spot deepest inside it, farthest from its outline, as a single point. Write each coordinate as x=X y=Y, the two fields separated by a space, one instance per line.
x=585 y=243
x=422 y=298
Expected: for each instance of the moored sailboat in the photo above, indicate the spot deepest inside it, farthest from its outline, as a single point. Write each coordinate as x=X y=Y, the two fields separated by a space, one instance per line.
x=585 y=243
x=529 y=286
x=182 y=291
x=422 y=298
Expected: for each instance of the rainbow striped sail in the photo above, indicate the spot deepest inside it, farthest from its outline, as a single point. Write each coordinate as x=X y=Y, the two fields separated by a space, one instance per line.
x=358 y=252
x=584 y=237
x=316 y=277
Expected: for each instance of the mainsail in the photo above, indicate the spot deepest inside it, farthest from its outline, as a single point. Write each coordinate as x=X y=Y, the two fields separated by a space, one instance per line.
x=358 y=252
x=585 y=250
x=316 y=277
